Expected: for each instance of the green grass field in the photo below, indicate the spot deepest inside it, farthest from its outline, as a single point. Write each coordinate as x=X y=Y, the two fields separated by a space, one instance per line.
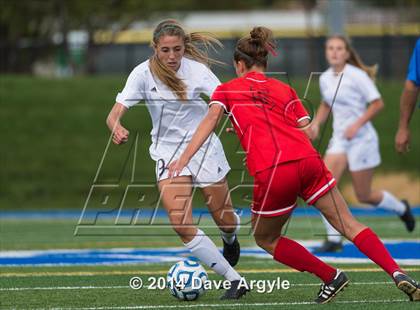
x=39 y=234
x=54 y=136
x=107 y=287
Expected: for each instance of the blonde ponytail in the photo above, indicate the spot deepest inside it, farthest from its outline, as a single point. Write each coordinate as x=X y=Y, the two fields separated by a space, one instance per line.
x=207 y=42
x=355 y=60
x=168 y=77
x=192 y=41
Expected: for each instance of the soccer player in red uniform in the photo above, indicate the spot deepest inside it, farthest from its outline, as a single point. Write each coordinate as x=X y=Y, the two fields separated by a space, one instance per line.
x=270 y=122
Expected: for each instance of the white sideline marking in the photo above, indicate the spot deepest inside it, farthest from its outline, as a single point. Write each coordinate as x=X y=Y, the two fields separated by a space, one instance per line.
x=228 y=305
x=30 y=253
x=40 y=288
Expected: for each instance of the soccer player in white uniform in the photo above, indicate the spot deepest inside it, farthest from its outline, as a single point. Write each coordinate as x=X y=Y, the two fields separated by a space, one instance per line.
x=171 y=83
x=347 y=88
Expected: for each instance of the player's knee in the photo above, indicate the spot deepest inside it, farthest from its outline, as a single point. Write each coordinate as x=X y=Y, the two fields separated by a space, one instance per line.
x=260 y=242
x=263 y=242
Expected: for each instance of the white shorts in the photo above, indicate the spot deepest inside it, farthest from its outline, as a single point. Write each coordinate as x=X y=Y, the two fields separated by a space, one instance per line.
x=362 y=152
x=208 y=166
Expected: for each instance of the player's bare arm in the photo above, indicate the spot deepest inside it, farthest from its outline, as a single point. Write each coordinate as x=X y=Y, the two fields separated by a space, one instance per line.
x=320 y=118
x=407 y=105
x=206 y=127
x=305 y=126
x=120 y=134
x=374 y=108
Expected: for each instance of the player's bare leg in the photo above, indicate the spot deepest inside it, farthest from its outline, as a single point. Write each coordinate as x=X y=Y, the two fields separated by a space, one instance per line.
x=176 y=199
x=176 y=195
x=362 y=184
x=337 y=164
x=219 y=203
x=267 y=230
x=267 y=234
x=335 y=209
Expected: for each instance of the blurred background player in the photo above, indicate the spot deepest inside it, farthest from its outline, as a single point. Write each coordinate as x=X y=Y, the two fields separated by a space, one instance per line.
x=408 y=101
x=268 y=116
x=348 y=90
x=171 y=83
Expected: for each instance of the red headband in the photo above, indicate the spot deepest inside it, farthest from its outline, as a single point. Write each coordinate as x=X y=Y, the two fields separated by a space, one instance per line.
x=270 y=48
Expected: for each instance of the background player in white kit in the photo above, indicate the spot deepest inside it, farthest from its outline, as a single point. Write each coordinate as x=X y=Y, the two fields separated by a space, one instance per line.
x=171 y=83
x=348 y=89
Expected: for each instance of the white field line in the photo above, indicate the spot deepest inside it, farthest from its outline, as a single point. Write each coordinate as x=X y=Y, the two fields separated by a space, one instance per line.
x=229 y=305
x=51 y=288
x=30 y=253
x=164 y=272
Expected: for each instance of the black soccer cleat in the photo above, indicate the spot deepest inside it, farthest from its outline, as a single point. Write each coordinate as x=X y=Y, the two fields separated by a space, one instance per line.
x=238 y=288
x=329 y=246
x=232 y=251
x=408 y=217
x=328 y=291
x=408 y=286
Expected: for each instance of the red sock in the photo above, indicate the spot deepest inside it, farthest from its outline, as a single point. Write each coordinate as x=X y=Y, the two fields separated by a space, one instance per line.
x=369 y=244
x=292 y=254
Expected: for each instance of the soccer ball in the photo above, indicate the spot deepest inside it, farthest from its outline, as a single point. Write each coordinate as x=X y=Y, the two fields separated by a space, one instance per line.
x=186 y=280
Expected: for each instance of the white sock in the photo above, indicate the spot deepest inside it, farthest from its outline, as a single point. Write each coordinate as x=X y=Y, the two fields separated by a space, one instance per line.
x=391 y=203
x=230 y=237
x=332 y=234
x=206 y=251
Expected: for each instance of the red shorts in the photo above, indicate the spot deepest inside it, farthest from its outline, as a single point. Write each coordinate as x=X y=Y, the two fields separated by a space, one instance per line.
x=276 y=189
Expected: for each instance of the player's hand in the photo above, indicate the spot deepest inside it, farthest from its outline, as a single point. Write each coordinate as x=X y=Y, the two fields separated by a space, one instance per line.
x=313 y=131
x=402 y=140
x=120 y=135
x=175 y=167
x=351 y=131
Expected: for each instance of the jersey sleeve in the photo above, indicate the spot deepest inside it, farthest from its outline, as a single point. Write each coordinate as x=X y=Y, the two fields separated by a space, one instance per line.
x=414 y=67
x=219 y=96
x=133 y=90
x=209 y=82
x=299 y=110
x=367 y=87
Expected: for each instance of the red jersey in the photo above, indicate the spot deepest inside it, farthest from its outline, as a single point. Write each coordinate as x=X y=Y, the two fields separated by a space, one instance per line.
x=265 y=113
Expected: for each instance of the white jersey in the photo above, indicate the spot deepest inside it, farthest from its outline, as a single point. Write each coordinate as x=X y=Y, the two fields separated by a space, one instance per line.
x=174 y=121
x=348 y=93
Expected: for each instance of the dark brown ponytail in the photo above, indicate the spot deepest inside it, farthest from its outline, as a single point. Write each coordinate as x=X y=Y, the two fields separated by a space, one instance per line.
x=254 y=49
